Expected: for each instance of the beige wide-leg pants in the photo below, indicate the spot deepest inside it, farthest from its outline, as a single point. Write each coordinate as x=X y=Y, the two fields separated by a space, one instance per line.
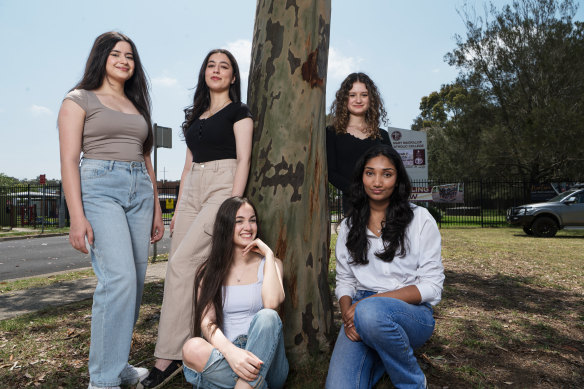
x=205 y=188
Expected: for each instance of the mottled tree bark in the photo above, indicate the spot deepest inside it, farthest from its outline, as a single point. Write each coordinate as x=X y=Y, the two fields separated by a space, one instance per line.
x=288 y=180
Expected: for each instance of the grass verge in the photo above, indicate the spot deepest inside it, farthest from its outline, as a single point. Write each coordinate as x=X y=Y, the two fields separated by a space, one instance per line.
x=511 y=316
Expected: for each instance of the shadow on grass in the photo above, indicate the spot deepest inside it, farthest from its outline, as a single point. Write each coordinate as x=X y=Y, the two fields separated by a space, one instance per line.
x=500 y=330
x=519 y=235
x=491 y=331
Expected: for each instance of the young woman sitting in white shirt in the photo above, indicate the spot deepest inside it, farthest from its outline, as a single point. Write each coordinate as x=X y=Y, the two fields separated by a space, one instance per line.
x=389 y=276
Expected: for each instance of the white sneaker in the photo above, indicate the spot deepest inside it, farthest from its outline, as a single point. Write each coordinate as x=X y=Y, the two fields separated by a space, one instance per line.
x=132 y=375
x=102 y=387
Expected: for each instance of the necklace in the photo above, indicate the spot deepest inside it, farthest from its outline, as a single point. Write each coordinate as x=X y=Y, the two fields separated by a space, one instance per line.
x=382 y=226
x=239 y=277
x=213 y=112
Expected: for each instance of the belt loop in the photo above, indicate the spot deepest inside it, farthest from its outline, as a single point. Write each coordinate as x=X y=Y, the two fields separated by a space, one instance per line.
x=111 y=165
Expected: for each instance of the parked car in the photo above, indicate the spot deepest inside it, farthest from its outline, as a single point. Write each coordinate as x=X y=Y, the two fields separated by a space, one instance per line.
x=565 y=211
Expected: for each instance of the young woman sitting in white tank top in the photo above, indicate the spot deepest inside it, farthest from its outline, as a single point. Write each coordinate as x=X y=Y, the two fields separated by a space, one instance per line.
x=238 y=334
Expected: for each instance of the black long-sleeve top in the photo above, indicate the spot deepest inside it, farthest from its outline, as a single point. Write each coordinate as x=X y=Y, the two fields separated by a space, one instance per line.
x=342 y=152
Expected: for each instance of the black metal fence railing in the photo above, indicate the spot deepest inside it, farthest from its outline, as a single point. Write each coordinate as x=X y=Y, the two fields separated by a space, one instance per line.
x=471 y=203
x=167 y=196
x=32 y=206
x=478 y=203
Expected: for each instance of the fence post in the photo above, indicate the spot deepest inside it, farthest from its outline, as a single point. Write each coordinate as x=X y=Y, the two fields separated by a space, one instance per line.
x=481 y=201
x=61 y=206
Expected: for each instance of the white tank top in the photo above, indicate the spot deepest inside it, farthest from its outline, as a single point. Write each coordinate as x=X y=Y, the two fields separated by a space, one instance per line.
x=240 y=304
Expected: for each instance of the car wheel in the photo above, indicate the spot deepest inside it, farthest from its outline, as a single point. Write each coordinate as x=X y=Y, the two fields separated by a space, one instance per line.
x=527 y=230
x=544 y=226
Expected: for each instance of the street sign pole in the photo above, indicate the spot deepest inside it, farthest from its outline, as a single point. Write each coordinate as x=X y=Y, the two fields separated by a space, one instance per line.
x=162 y=138
x=155 y=248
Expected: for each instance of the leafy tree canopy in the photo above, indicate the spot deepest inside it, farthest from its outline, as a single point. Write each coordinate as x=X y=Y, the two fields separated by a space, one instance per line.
x=517 y=106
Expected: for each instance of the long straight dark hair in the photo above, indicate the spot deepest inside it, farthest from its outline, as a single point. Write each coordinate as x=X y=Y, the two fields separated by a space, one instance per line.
x=202 y=98
x=137 y=89
x=398 y=214
x=213 y=272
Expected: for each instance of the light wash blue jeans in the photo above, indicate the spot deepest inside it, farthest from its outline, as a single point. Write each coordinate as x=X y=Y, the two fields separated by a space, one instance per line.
x=390 y=329
x=118 y=201
x=265 y=340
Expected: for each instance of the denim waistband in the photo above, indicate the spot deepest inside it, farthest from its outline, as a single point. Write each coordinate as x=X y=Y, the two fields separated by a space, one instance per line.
x=112 y=164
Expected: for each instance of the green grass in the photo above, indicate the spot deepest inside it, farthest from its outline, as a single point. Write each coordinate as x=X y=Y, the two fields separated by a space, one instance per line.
x=33 y=232
x=36 y=282
x=511 y=316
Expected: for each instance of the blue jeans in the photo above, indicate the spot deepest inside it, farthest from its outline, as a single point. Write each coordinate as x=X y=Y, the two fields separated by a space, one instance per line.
x=118 y=201
x=265 y=340
x=390 y=329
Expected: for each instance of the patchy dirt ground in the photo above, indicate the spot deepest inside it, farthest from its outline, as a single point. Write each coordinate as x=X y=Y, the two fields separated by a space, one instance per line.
x=512 y=316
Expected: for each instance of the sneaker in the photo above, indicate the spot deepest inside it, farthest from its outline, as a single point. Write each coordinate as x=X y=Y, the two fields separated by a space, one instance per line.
x=132 y=375
x=102 y=387
x=157 y=378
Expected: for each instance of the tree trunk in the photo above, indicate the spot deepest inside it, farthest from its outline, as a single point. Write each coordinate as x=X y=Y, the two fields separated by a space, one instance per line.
x=288 y=181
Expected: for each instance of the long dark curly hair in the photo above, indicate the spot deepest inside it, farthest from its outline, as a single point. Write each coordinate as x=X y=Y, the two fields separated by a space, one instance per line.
x=211 y=275
x=373 y=117
x=202 y=98
x=137 y=89
x=398 y=214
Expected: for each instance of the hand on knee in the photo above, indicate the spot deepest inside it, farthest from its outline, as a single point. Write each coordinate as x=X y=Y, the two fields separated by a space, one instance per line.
x=196 y=353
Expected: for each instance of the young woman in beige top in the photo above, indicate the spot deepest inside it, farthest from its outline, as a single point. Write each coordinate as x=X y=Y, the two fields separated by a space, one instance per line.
x=218 y=131
x=112 y=197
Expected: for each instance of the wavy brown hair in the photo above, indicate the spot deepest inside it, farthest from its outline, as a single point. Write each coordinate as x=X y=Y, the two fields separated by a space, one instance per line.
x=202 y=98
x=373 y=117
x=137 y=89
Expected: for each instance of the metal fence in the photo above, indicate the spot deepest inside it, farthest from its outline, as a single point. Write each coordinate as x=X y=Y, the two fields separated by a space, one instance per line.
x=478 y=203
x=36 y=205
x=470 y=203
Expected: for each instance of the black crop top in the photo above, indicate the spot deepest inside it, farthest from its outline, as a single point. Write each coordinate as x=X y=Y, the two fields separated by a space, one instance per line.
x=213 y=138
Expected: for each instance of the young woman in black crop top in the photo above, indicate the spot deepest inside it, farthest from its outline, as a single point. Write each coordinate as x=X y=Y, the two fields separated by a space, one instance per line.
x=357 y=113
x=218 y=131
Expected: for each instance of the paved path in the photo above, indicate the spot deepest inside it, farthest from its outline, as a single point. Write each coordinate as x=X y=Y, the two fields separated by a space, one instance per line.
x=30 y=300
x=39 y=255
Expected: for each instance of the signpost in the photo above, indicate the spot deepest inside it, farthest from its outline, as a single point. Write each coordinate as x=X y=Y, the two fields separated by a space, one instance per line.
x=162 y=138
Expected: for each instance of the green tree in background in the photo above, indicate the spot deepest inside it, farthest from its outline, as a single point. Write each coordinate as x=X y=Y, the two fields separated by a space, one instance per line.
x=517 y=106
x=7 y=180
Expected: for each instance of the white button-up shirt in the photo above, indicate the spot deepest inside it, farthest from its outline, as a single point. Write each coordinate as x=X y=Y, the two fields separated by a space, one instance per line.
x=421 y=266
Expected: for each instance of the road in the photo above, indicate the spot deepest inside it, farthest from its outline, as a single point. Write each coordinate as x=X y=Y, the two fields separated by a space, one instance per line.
x=38 y=256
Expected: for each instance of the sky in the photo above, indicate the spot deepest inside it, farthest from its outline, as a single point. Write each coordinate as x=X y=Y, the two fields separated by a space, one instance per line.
x=45 y=44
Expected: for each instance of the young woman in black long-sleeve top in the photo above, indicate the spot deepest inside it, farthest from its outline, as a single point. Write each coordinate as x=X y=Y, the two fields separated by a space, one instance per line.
x=357 y=112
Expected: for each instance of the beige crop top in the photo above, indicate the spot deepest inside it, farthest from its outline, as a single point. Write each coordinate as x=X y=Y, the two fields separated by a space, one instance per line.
x=109 y=134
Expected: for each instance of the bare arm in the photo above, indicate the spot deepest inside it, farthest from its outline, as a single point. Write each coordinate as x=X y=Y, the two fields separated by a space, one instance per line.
x=272 y=286
x=410 y=294
x=157 y=222
x=243 y=131
x=71 y=121
x=244 y=363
